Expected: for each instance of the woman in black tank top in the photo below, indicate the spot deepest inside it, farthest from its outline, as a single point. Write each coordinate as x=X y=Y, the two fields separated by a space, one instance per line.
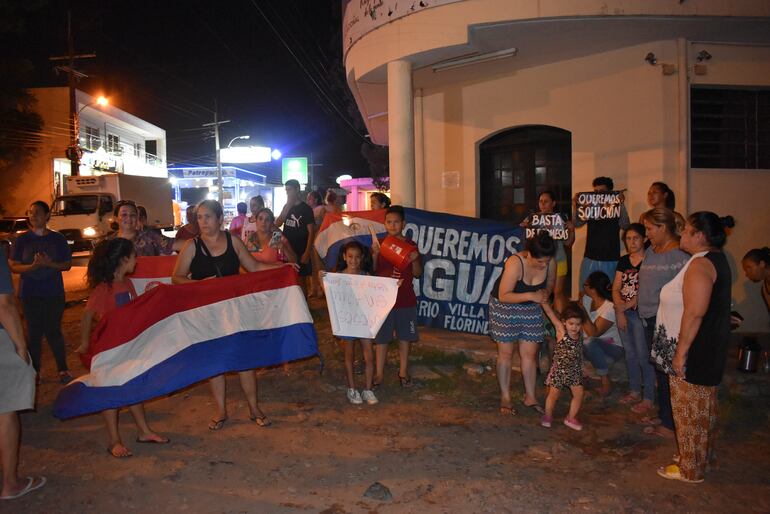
x=701 y=350
x=515 y=316
x=215 y=253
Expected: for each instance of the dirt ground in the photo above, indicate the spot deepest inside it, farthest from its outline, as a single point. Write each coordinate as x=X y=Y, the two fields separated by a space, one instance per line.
x=440 y=446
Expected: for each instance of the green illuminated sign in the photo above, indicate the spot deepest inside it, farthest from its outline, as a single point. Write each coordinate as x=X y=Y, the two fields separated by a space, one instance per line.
x=294 y=168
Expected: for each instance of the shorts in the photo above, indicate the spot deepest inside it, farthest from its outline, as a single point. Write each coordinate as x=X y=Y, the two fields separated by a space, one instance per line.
x=561 y=268
x=17 y=378
x=401 y=320
x=561 y=260
x=511 y=322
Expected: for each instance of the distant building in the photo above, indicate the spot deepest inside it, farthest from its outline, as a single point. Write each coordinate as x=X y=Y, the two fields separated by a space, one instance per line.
x=112 y=140
x=486 y=103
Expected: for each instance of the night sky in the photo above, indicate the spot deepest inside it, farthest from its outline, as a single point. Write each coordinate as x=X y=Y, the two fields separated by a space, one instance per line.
x=167 y=62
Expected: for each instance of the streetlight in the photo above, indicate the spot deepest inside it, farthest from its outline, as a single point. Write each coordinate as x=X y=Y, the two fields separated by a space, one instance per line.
x=239 y=137
x=74 y=152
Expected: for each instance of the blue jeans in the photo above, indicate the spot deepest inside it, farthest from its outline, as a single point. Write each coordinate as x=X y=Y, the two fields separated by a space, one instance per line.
x=588 y=266
x=601 y=354
x=665 y=413
x=640 y=369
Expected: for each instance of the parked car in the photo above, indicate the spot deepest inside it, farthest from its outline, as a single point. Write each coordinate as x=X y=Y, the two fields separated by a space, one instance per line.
x=10 y=228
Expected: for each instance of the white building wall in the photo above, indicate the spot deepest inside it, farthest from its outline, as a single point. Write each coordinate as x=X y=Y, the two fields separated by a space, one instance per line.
x=743 y=194
x=624 y=116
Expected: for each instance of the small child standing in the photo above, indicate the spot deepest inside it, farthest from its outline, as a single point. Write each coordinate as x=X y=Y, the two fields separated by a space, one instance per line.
x=111 y=261
x=402 y=319
x=566 y=369
x=355 y=259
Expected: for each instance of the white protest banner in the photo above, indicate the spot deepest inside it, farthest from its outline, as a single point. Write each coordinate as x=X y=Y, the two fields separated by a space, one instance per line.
x=598 y=206
x=358 y=304
x=552 y=223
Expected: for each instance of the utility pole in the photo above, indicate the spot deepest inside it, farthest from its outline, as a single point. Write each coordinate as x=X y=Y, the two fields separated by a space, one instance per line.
x=216 y=125
x=311 y=168
x=73 y=151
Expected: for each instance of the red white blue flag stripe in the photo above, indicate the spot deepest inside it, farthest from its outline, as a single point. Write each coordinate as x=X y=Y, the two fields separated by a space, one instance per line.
x=174 y=336
x=338 y=229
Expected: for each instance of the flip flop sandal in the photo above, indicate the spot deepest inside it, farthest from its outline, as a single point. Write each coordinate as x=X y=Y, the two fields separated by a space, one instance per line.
x=405 y=381
x=216 y=424
x=508 y=411
x=535 y=407
x=164 y=440
x=27 y=489
x=672 y=472
x=262 y=421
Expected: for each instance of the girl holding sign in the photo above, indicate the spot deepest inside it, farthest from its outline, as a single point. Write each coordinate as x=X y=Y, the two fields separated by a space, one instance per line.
x=355 y=259
x=547 y=204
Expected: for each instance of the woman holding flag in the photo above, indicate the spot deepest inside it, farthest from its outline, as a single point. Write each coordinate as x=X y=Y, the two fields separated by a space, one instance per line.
x=147 y=243
x=213 y=254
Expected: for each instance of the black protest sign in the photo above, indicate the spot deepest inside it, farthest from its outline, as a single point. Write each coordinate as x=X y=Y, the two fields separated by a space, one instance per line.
x=551 y=223
x=598 y=206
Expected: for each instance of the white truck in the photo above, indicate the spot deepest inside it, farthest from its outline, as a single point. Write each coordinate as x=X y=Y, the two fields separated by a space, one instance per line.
x=84 y=214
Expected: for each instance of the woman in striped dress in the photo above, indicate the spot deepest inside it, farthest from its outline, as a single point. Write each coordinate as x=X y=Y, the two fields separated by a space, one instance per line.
x=515 y=315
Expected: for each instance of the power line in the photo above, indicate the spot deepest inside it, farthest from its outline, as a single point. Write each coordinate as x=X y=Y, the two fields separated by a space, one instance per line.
x=286 y=45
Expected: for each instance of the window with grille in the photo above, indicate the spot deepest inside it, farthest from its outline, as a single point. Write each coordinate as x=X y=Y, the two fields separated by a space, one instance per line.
x=93 y=138
x=730 y=128
x=113 y=143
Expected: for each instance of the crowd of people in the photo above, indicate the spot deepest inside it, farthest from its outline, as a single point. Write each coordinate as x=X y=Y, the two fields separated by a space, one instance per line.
x=663 y=308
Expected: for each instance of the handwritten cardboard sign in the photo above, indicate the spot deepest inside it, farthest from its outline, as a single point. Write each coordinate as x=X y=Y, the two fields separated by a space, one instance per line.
x=552 y=223
x=358 y=304
x=598 y=206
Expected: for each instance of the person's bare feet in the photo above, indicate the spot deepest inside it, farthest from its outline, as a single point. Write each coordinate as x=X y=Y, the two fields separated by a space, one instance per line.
x=642 y=407
x=660 y=431
x=152 y=437
x=119 y=451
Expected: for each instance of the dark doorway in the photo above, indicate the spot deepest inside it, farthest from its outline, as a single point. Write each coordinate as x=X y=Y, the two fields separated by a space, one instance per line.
x=519 y=164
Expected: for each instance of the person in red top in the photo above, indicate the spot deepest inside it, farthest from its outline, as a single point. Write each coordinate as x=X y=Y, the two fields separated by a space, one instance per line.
x=402 y=319
x=236 y=225
x=111 y=261
x=190 y=229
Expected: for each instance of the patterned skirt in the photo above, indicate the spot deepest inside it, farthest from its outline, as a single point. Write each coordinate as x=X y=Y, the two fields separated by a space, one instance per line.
x=509 y=322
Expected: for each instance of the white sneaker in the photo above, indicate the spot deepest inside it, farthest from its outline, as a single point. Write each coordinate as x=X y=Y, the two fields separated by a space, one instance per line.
x=354 y=397
x=368 y=397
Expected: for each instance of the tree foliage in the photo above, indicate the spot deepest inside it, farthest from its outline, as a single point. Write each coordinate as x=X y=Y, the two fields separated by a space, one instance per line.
x=20 y=125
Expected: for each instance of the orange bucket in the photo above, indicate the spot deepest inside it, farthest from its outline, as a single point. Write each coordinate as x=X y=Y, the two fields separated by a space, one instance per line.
x=396 y=251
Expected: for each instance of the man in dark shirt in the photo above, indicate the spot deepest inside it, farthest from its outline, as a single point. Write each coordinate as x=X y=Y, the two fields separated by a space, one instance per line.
x=299 y=228
x=602 y=239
